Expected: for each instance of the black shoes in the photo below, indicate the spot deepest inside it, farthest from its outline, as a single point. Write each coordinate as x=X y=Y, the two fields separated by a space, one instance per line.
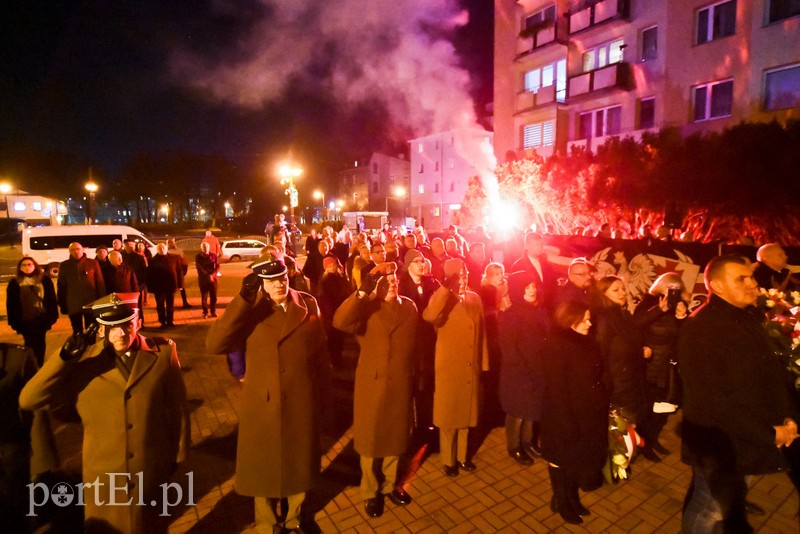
x=374 y=506
x=399 y=497
x=451 y=470
x=532 y=449
x=521 y=457
x=648 y=453
x=659 y=448
x=467 y=466
x=213 y=314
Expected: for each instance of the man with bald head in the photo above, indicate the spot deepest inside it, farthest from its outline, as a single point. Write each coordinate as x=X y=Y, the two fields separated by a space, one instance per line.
x=119 y=278
x=80 y=281
x=771 y=271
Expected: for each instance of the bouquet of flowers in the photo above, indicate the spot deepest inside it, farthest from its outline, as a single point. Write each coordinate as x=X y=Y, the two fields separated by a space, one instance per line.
x=622 y=443
x=783 y=329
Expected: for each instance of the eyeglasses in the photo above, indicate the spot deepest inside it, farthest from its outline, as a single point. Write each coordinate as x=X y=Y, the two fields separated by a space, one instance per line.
x=584 y=273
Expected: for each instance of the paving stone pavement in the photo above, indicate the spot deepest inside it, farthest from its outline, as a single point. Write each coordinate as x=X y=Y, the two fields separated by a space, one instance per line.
x=500 y=496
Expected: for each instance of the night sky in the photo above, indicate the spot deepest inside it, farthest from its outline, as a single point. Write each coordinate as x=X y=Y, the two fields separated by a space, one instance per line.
x=99 y=80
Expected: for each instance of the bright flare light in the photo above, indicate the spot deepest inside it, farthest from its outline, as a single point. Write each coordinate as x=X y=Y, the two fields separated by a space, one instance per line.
x=504 y=215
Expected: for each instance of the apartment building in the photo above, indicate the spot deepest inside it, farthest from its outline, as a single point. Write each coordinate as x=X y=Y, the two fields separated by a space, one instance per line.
x=441 y=167
x=573 y=73
x=371 y=184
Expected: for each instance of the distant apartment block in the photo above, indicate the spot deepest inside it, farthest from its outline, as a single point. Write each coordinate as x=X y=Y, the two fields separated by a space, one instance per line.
x=441 y=166
x=368 y=184
x=573 y=73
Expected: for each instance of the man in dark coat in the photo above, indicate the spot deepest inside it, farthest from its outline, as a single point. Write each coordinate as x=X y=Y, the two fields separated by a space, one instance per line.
x=288 y=374
x=534 y=260
x=80 y=282
x=578 y=285
x=419 y=287
x=738 y=414
x=138 y=263
x=119 y=277
x=207 y=265
x=163 y=275
x=175 y=250
x=384 y=325
x=771 y=271
x=130 y=395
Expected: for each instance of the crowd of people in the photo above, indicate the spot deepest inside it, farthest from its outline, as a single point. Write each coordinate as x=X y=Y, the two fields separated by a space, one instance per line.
x=449 y=340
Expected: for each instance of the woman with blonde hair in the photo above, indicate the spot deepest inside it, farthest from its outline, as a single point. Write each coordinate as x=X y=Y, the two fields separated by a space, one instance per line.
x=31 y=305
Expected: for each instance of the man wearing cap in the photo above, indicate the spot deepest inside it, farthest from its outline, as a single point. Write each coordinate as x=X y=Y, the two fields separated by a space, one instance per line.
x=288 y=373
x=461 y=355
x=130 y=395
x=384 y=324
x=80 y=281
x=419 y=287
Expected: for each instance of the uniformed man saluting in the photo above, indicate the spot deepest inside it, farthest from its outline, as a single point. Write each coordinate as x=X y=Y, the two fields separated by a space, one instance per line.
x=287 y=373
x=129 y=393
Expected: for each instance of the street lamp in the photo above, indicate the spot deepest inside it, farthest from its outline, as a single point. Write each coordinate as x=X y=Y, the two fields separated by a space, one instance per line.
x=321 y=195
x=288 y=173
x=398 y=192
x=92 y=188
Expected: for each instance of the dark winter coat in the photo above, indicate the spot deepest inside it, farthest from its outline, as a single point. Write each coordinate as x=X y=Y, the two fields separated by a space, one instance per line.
x=79 y=283
x=207 y=267
x=661 y=335
x=120 y=279
x=14 y=309
x=735 y=390
x=523 y=334
x=575 y=411
x=163 y=273
x=548 y=281
x=621 y=345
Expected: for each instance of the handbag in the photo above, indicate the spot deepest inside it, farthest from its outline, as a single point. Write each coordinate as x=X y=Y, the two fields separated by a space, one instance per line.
x=674 y=385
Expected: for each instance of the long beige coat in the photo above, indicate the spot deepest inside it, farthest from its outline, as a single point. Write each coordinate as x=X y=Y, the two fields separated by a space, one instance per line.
x=288 y=373
x=134 y=425
x=461 y=355
x=382 y=415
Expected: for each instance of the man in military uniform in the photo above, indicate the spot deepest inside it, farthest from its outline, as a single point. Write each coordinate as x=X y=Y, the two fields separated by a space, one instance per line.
x=130 y=395
x=287 y=374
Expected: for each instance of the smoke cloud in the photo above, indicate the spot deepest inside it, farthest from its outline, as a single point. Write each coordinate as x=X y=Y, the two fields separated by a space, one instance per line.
x=396 y=52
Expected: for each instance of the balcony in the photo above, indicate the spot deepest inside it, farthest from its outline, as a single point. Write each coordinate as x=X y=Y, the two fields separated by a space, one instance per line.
x=608 y=77
x=594 y=142
x=537 y=36
x=529 y=100
x=596 y=13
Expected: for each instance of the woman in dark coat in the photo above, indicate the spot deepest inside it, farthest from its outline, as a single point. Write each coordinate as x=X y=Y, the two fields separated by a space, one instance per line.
x=661 y=343
x=523 y=331
x=575 y=409
x=621 y=342
x=31 y=305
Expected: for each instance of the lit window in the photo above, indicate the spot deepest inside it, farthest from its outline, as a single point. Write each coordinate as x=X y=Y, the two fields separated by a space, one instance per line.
x=19 y=206
x=783 y=9
x=647 y=113
x=650 y=44
x=421 y=189
x=420 y=148
x=600 y=122
x=546 y=76
x=37 y=206
x=716 y=21
x=436 y=211
x=782 y=88
x=713 y=100
x=606 y=54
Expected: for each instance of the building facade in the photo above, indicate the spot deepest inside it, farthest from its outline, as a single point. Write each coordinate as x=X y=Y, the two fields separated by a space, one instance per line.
x=373 y=184
x=441 y=167
x=574 y=73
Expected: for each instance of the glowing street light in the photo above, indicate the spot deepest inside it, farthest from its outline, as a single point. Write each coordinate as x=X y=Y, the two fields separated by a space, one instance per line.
x=287 y=174
x=92 y=188
x=398 y=192
x=321 y=195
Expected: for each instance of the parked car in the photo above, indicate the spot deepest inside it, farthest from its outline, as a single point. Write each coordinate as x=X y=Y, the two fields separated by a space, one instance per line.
x=239 y=249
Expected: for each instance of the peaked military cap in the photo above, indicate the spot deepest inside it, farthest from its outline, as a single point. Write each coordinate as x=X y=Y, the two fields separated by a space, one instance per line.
x=269 y=265
x=115 y=308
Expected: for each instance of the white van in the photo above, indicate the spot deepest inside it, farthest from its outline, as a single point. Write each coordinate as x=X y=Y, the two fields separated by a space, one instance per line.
x=49 y=245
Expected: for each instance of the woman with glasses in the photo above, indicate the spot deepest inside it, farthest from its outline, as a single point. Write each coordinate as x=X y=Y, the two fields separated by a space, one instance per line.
x=31 y=305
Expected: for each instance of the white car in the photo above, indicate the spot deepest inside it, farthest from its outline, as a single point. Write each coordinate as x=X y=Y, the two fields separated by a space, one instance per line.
x=239 y=249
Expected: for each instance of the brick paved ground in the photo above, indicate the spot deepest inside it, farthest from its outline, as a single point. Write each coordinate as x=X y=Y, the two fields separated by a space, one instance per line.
x=499 y=496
